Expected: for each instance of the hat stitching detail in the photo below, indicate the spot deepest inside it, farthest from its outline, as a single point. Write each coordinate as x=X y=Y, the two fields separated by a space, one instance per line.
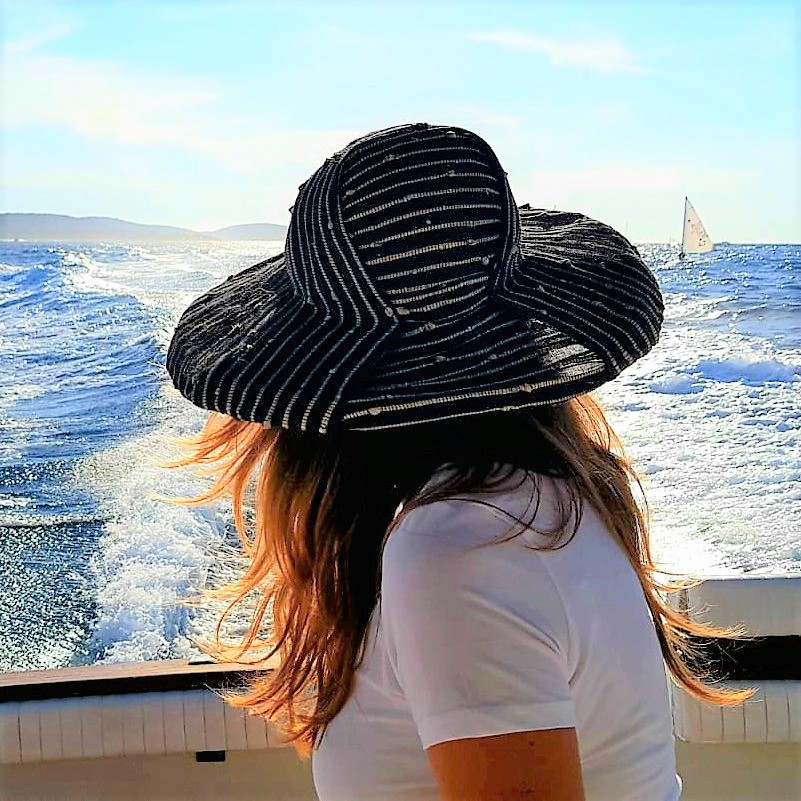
x=428 y=228
x=461 y=334
x=468 y=360
x=452 y=398
x=459 y=243
x=350 y=257
x=582 y=314
x=438 y=265
x=450 y=301
x=447 y=161
x=418 y=195
x=454 y=374
x=313 y=354
x=469 y=413
x=355 y=174
x=455 y=283
x=546 y=285
x=391 y=138
x=573 y=330
x=221 y=381
x=424 y=212
x=332 y=311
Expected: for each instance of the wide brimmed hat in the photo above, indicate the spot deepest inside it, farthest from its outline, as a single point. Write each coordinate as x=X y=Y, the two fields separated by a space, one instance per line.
x=411 y=289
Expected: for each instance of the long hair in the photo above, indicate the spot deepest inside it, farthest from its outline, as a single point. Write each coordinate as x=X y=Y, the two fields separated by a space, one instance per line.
x=313 y=513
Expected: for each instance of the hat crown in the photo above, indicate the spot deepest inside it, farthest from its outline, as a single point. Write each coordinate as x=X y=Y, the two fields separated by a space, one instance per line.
x=404 y=214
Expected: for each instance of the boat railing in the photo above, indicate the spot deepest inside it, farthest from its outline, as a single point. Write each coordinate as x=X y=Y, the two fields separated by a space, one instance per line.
x=160 y=707
x=174 y=706
x=770 y=609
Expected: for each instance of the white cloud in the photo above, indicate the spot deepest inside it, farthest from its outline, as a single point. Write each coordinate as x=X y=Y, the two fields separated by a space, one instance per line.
x=105 y=101
x=607 y=55
x=98 y=100
x=561 y=185
x=256 y=161
x=51 y=33
x=611 y=178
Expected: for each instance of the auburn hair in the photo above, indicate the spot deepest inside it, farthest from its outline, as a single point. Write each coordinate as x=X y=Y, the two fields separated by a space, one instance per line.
x=313 y=513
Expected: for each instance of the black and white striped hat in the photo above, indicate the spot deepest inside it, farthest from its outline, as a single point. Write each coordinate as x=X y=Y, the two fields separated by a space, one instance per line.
x=412 y=288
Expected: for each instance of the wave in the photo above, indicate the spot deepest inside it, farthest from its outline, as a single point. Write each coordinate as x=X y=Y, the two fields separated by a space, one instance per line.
x=710 y=416
x=151 y=554
x=755 y=373
x=44 y=521
x=729 y=369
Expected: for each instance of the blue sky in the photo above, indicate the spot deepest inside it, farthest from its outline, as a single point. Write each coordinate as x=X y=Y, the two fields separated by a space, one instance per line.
x=209 y=114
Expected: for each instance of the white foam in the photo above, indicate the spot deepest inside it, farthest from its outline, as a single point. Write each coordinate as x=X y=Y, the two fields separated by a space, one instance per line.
x=676 y=385
x=712 y=420
x=749 y=371
x=162 y=276
x=151 y=553
x=709 y=416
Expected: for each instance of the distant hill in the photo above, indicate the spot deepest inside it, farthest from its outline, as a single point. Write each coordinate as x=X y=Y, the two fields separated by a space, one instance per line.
x=249 y=231
x=60 y=227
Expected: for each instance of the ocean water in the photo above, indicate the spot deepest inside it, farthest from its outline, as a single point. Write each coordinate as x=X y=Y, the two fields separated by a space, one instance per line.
x=92 y=564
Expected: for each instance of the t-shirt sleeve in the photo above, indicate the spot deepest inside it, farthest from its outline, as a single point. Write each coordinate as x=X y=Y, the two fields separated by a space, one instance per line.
x=478 y=638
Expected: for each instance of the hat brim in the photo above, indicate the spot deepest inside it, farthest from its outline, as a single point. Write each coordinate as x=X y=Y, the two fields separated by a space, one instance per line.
x=251 y=349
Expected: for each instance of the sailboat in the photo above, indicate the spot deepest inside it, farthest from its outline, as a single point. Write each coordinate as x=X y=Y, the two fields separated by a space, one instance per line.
x=694 y=238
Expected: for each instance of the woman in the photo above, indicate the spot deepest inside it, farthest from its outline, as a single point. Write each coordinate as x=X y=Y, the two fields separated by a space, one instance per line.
x=444 y=532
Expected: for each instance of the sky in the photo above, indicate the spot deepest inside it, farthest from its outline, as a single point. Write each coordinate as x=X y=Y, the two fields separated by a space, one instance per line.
x=207 y=114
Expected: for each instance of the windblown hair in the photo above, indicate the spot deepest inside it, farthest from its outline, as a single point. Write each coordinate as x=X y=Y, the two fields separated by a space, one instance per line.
x=313 y=513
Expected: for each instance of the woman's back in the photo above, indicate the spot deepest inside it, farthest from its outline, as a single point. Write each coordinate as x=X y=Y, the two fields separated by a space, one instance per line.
x=473 y=642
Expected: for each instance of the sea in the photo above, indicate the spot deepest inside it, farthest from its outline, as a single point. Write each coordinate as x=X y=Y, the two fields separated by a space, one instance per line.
x=93 y=561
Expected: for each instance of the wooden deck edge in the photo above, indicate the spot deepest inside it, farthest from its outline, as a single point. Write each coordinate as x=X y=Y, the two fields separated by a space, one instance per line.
x=124 y=678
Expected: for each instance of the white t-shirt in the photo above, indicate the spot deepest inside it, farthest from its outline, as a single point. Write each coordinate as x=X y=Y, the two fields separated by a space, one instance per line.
x=471 y=643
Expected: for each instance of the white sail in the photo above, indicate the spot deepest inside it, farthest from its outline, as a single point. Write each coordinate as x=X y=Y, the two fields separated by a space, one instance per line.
x=694 y=238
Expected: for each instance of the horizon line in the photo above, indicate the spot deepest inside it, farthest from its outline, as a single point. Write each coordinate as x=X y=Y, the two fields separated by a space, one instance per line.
x=668 y=241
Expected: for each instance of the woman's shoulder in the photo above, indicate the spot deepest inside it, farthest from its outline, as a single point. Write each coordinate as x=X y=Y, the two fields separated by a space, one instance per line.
x=436 y=551
x=459 y=521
